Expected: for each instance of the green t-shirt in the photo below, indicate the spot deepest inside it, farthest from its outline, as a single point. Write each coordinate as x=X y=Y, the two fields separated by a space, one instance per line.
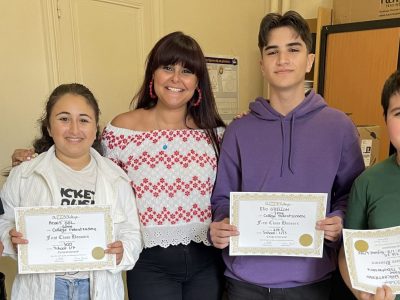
x=374 y=201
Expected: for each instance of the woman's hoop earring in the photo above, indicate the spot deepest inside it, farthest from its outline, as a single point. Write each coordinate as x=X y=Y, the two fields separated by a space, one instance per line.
x=197 y=102
x=152 y=96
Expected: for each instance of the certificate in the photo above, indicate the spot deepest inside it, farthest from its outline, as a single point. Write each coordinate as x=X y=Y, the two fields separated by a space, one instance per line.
x=279 y=224
x=64 y=238
x=373 y=258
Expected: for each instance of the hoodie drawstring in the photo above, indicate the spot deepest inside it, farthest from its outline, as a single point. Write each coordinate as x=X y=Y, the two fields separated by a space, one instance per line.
x=283 y=145
x=291 y=146
x=291 y=134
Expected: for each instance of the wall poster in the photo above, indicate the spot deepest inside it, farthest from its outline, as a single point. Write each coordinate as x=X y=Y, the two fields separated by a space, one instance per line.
x=224 y=77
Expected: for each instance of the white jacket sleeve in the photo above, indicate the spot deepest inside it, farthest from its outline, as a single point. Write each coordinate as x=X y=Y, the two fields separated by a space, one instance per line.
x=127 y=227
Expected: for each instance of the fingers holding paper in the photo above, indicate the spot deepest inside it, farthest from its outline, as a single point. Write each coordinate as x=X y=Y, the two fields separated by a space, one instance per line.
x=221 y=231
x=116 y=248
x=332 y=227
x=382 y=293
x=17 y=238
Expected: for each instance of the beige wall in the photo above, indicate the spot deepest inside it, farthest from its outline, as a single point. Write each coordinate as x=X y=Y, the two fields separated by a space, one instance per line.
x=23 y=74
x=23 y=84
x=308 y=9
x=226 y=27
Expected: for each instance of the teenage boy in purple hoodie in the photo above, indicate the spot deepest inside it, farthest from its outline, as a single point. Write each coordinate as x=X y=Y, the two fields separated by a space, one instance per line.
x=289 y=143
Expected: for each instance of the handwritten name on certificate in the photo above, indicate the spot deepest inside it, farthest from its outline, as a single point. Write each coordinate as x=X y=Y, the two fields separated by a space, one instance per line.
x=373 y=258
x=279 y=224
x=64 y=238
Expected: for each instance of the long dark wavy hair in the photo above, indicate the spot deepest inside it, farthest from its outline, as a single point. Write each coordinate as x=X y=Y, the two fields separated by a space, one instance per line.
x=178 y=48
x=45 y=141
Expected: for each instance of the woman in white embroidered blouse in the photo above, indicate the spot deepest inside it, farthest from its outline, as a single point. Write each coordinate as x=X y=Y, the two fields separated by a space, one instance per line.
x=169 y=146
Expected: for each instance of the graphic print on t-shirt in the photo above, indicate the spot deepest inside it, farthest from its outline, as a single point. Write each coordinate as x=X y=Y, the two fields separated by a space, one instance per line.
x=76 y=187
x=76 y=197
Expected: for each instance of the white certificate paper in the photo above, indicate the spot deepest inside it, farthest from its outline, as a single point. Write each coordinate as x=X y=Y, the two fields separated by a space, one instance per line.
x=279 y=224
x=373 y=258
x=64 y=238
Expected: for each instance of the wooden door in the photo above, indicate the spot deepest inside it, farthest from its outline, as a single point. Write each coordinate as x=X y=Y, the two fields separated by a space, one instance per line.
x=357 y=63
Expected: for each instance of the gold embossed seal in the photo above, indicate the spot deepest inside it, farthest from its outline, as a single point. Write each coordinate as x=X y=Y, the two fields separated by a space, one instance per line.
x=361 y=246
x=305 y=240
x=98 y=253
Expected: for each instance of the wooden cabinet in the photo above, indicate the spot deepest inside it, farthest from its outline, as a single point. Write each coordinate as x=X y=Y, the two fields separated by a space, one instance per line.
x=355 y=61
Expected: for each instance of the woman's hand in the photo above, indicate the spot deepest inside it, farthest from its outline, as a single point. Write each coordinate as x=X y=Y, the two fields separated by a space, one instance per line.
x=1 y=248
x=21 y=155
x=116 y=248
x=241 y=115
x=17 y=238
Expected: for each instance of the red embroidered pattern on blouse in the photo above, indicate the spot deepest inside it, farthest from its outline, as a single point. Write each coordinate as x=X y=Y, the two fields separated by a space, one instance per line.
x=149 y=188
x=114 y=140
x=174 y=217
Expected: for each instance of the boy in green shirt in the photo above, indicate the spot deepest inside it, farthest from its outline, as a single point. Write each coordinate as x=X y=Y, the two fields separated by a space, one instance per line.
x=374 y=201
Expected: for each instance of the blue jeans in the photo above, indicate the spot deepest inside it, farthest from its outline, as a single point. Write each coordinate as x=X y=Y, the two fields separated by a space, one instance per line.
x=77 y=289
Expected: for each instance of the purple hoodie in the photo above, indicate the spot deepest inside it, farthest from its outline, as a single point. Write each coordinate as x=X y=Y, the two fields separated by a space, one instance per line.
x=313 y=149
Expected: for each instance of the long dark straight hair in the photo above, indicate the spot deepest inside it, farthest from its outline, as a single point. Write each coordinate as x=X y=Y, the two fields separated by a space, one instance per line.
x=178 y=48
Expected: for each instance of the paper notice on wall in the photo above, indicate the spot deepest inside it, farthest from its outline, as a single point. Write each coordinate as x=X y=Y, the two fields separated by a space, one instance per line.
x=224 y=75
x=366 y=149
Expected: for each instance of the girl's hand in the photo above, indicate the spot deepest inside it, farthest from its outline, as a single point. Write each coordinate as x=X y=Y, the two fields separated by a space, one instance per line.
x=17 y=238
x=116 y=248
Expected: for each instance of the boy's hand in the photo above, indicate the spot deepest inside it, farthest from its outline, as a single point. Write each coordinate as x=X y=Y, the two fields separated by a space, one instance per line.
x=220 y=233
x=332 y=227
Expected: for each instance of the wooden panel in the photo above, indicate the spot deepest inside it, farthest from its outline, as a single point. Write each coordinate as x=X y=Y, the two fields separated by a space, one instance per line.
x=357 y=65
x=324 y=18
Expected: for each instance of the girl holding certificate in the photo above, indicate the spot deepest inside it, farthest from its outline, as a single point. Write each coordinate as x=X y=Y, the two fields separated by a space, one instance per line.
x=374 y=199
x=70 y=171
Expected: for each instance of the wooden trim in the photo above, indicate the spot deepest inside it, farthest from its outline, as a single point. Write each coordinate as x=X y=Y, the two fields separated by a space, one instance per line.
x=50 y=30
x=324 y=18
